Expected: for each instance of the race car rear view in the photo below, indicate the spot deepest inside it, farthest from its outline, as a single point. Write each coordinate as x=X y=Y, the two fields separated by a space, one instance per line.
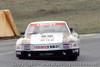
x=48 y=39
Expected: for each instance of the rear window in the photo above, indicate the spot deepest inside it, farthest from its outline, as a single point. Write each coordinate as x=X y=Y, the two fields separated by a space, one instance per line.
x=46 y=28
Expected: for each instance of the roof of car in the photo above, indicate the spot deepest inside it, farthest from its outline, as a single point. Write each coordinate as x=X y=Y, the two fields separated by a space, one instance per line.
x=48 y=22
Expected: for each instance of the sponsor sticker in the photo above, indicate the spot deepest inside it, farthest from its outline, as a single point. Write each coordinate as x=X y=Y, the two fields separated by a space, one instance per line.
x=66 y=45
x=41 y=47
x=48 y=39
x=47 y=24
x=26 y=47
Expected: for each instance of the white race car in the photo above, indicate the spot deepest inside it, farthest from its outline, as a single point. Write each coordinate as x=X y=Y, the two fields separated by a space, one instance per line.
x=48 y=39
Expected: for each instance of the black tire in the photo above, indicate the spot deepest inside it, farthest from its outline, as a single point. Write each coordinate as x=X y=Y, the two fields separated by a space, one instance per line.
x=21 y=57
x=79 y=52
x=74 y=58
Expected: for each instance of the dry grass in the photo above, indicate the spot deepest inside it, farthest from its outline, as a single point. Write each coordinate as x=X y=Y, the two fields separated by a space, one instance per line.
x=82 y=15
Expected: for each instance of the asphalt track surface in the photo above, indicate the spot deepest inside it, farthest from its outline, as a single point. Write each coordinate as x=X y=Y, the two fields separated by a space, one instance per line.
x=89 y=55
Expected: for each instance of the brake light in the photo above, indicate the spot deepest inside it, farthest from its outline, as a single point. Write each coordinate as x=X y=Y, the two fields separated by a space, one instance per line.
x=75 y=45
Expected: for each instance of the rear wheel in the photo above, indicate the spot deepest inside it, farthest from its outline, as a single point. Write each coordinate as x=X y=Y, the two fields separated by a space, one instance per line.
x=72 y=58
x=21 y=56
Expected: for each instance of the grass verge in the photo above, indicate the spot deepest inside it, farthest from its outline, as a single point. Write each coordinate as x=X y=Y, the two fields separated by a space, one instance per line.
x=82 y=15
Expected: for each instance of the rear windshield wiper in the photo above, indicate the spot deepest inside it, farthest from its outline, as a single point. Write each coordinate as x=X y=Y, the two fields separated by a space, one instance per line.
x=33 y=33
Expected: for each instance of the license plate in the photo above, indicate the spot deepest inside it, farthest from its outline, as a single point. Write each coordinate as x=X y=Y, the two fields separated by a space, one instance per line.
x=46 y=54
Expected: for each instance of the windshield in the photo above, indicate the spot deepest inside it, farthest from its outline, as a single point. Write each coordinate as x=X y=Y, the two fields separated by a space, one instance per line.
x=47 y=28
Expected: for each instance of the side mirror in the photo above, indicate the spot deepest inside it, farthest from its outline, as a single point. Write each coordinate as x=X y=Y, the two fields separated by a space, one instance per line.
x=22 y=33
x=71 y=30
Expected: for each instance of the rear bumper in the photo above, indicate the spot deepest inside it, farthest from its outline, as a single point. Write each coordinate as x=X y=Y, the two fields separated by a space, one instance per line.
x=57 y=53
